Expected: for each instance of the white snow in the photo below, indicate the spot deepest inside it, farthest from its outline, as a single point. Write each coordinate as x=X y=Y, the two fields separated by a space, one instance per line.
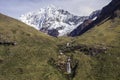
x=52 y=18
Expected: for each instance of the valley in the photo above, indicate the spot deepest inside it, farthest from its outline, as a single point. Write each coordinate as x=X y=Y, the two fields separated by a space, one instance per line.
x=90 y=52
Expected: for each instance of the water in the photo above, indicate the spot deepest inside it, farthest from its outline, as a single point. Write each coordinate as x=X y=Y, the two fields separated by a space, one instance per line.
x=68 y=68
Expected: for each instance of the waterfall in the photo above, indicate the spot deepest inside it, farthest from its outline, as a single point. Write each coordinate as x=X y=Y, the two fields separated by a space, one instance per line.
x=68 y=67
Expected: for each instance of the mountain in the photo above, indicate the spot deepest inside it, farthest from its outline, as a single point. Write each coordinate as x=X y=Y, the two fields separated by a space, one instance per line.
x=28 y=54
x=50 y=18
x=54 y=21
x=106 y=13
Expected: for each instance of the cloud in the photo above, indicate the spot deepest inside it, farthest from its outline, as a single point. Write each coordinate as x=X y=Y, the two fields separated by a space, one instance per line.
x=82 y=7
x=15 y=8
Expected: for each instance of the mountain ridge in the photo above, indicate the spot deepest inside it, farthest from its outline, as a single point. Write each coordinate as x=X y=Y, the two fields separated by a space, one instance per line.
x=106 y=13
x=54 y=21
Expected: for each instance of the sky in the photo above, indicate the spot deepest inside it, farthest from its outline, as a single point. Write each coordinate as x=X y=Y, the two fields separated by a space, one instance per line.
x=15 y=8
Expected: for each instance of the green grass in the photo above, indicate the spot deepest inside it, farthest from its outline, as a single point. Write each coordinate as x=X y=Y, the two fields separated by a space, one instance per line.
x=104 y=66
x=28 y=60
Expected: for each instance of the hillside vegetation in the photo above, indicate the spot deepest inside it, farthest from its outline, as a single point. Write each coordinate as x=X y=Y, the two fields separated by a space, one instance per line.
x=28 y=59
x=106 y=65
x=98 y=65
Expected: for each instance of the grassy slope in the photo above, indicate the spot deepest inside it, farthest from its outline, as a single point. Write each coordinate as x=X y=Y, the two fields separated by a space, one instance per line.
x=104 y=66
x=28 y=59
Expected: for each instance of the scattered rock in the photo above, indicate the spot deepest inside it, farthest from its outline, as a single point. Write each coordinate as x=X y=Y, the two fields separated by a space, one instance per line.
x=8 y=43
x=88 y=50
x=1 y=60
x=20 y=70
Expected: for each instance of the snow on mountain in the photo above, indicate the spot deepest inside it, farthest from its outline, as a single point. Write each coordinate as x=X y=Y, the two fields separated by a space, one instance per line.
x=53 y=19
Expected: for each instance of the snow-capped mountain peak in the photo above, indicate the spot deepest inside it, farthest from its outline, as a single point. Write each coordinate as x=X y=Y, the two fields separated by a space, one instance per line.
x=52 y=20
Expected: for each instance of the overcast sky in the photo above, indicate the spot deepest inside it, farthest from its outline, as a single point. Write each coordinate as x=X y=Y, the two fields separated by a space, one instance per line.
x=15 y=8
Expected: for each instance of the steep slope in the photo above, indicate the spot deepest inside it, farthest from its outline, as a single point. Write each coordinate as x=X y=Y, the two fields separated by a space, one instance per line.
x=27 y=59
x=106 y=13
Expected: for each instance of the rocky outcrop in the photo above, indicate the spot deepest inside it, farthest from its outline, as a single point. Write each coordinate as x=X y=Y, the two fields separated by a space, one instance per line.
x=87 y=50
x=53 y=32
